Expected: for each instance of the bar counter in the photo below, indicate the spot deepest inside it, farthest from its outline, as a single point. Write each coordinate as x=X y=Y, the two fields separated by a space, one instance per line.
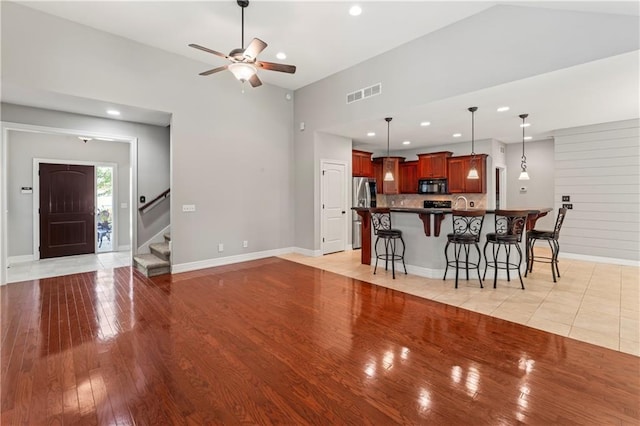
x=426 y=252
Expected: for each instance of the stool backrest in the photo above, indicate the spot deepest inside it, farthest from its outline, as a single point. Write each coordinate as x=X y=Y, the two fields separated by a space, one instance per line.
x=380 y=219
x=562 y=212
x=468 y=223
x=511 y=223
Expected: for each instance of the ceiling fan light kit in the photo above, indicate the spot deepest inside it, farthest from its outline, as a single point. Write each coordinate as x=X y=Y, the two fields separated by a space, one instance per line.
x=244 y=64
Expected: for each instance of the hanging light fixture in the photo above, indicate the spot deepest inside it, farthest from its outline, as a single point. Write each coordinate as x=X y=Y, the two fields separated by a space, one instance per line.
x=523 y=164
x=473 y=172
x=388 y=174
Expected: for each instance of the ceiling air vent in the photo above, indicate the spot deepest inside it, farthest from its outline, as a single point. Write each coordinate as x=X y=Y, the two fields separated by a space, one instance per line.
x=367 y=92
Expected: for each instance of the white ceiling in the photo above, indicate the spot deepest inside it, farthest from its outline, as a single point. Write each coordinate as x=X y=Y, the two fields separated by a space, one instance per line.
x=321 y=38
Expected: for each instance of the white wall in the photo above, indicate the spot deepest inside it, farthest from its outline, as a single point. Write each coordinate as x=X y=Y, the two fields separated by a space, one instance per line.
x=599 y=168
x=23 y=147
x=540 y=188
x=231 y=153
x=481 y=51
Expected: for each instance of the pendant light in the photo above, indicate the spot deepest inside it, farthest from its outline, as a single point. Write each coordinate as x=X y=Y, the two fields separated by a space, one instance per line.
x=523 y=164
x=388 y=174
x=473 y=172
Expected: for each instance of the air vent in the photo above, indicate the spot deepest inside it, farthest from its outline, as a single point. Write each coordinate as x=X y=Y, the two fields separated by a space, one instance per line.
x=502 y=149
x=367 y=92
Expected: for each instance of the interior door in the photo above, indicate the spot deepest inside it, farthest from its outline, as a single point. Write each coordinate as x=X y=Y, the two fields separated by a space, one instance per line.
x=67 y=210
x=334 y=207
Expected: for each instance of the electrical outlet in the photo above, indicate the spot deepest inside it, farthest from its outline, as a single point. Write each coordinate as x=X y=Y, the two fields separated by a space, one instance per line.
x=472 y=204
x=245 y=244
x=566 y=198
x=220 y=248
x=568 y=206
x=188 y=207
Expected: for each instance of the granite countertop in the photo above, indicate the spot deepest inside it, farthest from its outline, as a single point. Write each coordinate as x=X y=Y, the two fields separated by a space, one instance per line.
x=447 y=211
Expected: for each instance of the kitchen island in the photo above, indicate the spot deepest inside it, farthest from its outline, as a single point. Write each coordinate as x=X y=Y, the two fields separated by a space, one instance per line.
x=423 y=237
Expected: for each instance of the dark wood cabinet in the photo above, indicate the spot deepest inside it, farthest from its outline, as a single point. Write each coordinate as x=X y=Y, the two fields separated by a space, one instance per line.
x=433 y=165
x=458 y=169
x=380 y=166
x=409 y=177
x=361 y=163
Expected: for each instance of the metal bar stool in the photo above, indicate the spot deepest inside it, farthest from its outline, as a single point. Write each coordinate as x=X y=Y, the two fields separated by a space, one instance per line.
x=381 y=223
x=510 y=225
x=467 y=226
x=552 y=238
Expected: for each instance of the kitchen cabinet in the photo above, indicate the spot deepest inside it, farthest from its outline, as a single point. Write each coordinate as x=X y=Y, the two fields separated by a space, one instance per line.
x=458 y=169
x=409 y=177
x=380 y=166
x=361 y=163
x=433 y=165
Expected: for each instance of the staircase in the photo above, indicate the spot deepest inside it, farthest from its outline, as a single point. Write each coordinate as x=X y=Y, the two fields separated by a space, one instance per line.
x=158 y=262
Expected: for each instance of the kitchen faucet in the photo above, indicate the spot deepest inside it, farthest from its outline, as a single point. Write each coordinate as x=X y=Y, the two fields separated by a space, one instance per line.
x=466 y=202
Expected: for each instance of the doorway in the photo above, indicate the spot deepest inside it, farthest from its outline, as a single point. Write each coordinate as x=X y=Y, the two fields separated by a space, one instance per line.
x=501 y=187
x=333 y=187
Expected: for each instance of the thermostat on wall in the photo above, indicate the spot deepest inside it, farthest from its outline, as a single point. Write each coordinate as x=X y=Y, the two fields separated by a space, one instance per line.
x=26 y=190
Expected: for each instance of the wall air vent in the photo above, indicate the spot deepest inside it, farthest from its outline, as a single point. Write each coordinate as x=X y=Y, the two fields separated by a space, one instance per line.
x=367 y=92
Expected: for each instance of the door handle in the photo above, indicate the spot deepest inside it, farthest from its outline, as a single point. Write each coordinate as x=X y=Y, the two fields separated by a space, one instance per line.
x=343 y=212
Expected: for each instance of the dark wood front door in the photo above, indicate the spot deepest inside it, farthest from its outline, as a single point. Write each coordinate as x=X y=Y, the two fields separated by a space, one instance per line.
x=67 y=210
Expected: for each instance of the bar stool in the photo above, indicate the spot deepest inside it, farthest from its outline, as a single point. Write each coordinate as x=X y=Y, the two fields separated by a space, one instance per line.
x=552 y=238
x=510 y=225
x=467 y=226
x=381 y=223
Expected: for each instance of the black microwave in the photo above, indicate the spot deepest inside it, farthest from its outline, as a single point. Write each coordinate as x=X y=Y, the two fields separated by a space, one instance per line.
x=433 y=186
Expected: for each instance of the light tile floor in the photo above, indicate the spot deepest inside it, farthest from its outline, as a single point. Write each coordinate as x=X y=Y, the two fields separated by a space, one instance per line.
x=67 y=265
x=593 y=302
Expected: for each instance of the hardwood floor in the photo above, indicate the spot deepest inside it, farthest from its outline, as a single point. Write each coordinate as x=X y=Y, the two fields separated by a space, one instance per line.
x=273 y=341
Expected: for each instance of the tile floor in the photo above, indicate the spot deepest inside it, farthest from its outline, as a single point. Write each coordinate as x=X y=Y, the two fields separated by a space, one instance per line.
x=67 y=265
x=592 y=302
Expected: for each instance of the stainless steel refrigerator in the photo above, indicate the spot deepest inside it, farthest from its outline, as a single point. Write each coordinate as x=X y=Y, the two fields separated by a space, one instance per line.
x=364 y=195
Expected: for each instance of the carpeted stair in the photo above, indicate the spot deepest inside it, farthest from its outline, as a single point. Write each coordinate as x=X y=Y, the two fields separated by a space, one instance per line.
x=158 y=262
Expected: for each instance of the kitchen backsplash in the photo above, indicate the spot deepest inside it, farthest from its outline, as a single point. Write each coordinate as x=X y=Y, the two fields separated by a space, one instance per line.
x=416 y=200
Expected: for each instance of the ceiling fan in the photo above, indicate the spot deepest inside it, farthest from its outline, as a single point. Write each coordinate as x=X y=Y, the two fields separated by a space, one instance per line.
x=244 y=63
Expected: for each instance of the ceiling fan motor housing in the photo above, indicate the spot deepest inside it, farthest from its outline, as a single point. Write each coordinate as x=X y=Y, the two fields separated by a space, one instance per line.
x=243 y=3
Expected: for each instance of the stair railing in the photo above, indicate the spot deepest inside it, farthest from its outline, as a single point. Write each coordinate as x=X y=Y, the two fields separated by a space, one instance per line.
x=155 y=201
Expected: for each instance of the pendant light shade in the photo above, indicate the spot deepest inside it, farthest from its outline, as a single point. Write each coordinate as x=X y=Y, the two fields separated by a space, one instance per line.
x=473 y=172
x=388 y=174
x=523 y=164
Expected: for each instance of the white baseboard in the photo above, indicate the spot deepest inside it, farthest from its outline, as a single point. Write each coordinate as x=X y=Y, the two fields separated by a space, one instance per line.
x=599 y=259
x=220 y=261
x=307 y=252
x=124 y=248
x=19 y=259
x=158 y=238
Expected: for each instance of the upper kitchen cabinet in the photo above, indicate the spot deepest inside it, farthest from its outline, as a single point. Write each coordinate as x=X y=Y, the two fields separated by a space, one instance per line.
x=458 y=171
x=409 y=177
x=380 y=166
x=361 y=163
x=433 y=165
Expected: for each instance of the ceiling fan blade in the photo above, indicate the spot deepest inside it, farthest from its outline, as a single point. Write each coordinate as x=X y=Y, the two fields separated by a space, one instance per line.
x=206 y=49
x=254 y=48
x=271 y=66
x=255 y=81
x=215 y=70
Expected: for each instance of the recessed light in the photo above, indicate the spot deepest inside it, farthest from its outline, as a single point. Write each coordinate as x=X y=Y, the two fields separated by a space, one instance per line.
x=457 y=135
x=528 y=138
x=425 y=123
x=281 y=55
x=113 y=112
x=371 y=134
x=406 y=143
x=355 y=10
x=503 y=109
x=525 y=125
